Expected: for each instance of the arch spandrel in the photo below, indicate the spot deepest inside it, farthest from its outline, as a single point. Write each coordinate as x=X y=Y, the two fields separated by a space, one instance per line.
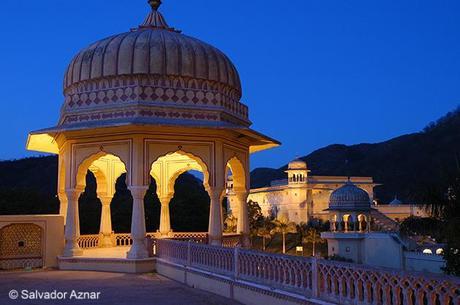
x=202 y=152
x=166 y=169
x=83 y=155
x=96 y=164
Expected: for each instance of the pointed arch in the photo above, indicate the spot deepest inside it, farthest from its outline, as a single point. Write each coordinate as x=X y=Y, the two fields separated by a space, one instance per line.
x=85 y=165
x=199 y=166
x=238 y=172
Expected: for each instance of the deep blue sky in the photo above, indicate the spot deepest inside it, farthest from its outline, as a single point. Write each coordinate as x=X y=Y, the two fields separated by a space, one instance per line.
x=314 y=72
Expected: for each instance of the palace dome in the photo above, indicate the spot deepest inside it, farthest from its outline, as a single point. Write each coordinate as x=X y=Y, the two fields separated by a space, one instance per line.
x=152 y=74
x=349 y=197
x=297 y=164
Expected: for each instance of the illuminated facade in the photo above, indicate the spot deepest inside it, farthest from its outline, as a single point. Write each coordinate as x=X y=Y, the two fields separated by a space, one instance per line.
x=302 y=196
x=151 y=102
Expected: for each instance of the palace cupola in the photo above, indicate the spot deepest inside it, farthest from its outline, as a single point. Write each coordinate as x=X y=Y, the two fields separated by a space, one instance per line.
x=297 y=172
x=349 y=208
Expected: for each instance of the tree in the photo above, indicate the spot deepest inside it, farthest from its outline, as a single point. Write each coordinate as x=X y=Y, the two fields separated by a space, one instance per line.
x=284 y=226
x=231 y=223
x=444 y=204
x=265 y=231
x=313 y=236
x=255 y=215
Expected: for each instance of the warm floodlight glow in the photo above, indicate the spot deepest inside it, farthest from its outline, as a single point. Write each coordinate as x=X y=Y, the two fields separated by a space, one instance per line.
x=427 y=251
x=439 y=251
x=42 y=143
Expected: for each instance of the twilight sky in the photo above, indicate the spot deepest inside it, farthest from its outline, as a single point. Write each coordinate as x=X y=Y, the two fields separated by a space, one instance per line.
x=314 y=73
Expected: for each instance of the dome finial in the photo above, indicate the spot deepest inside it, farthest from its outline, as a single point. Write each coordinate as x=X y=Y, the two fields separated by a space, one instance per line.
x=155 y=4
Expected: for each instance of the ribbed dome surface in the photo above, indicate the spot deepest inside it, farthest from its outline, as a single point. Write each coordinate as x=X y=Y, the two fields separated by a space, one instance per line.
x=349 y=197
x=152 y=52
x=152 y=75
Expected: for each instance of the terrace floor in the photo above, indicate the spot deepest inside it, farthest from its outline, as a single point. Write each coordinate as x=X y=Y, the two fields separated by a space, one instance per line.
x=115 y=252
x=114 y=288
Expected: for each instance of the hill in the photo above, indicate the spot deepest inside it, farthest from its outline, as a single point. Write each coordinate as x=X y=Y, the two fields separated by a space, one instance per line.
x=403 y=165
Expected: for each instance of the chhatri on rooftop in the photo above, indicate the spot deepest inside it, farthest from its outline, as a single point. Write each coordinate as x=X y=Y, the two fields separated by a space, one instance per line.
x=152 y=75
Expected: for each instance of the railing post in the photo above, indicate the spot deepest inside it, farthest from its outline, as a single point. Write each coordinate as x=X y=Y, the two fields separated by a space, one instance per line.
x=236 y=263
x=314 y=277
x=189 y=253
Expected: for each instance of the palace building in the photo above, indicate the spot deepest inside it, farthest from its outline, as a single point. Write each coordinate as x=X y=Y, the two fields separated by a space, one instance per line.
x=302 y=196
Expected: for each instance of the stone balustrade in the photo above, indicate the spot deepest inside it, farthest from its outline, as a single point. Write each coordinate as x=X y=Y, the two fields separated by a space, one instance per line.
x=316 y=279
x=88 y=241
x=124 y=239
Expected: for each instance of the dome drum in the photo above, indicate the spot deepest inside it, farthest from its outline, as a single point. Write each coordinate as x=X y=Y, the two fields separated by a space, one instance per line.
x=185 y=99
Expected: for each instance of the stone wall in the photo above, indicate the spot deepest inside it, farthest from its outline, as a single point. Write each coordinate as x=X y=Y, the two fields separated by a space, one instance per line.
x=30 y=241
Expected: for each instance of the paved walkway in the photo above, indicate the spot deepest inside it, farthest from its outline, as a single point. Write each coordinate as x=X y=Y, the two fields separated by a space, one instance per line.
x=113 y=289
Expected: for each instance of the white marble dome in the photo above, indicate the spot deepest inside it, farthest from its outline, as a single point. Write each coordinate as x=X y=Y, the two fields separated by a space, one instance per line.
x=349 y=197
x=152 y=74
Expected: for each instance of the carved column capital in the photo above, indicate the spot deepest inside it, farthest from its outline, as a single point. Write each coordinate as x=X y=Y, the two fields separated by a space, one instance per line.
x=165 y=200
x=105 y=200
x=74 y=194
x=214 y=192
x=138 y=191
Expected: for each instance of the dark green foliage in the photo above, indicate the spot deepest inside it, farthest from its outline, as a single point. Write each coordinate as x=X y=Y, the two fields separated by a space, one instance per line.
x=403 y=165
x=256 y=218
x=89 y=207
x=30 y=174
x=190 y=205
x=27 y=201
x=444 y=203
x=152 y=208
x=427 y=226
x=28 y=186
x=122 y=207
x=339 y=258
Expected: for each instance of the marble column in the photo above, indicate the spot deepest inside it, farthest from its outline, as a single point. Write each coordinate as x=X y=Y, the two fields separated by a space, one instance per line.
x=165 y=218
x=215 y=217
x=243 y=217
x=63 y=204
x=105 y=231
x=138 y=249
x=72 y=228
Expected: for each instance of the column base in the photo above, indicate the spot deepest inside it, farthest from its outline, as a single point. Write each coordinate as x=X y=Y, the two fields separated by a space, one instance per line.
x=137 y=251
x=215 y=240
x=72 y=252
x=106 y=240
x=169 y=234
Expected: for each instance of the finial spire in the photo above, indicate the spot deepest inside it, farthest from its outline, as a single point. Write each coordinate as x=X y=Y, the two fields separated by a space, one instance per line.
x=155 y=4
x=154 y=19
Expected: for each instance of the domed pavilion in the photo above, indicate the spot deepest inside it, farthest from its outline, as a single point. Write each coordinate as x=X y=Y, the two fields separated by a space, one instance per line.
x=349 y=209
x=151 y=102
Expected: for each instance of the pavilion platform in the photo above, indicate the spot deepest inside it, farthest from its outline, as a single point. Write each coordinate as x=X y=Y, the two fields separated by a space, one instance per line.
x=107 y=259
